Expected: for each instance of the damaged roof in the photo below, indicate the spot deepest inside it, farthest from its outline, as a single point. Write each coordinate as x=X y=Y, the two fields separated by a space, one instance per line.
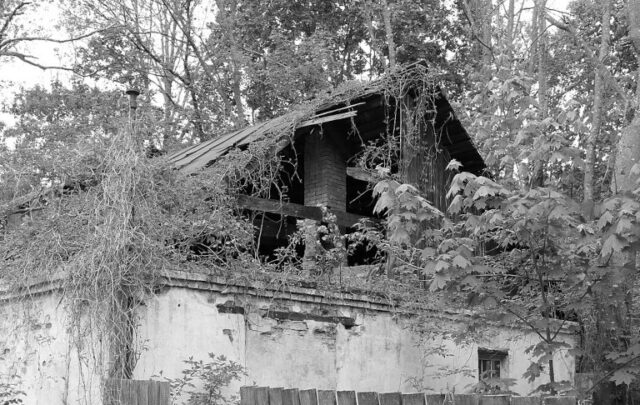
x=352 y=101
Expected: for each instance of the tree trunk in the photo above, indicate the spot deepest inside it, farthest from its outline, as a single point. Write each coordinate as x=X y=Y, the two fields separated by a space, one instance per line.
x=511 y=11
x=628 y=150
x=487 y=31
x=596 y=113
x=537 y=177
x=391 y=46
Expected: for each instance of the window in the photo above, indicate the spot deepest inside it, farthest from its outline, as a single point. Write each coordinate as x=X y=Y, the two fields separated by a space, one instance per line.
x=490 y=363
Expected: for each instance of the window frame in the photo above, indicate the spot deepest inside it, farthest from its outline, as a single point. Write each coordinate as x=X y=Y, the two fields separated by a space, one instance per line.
x=495 y=359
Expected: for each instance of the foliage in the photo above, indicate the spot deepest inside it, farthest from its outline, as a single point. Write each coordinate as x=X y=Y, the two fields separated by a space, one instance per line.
x=203 y=382
x=10 y=394
x=520 y=242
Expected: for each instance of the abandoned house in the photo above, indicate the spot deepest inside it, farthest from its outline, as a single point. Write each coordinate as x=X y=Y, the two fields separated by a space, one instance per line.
x=330 y=153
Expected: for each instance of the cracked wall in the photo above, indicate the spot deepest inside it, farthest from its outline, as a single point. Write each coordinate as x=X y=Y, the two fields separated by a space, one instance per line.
x=302 y=338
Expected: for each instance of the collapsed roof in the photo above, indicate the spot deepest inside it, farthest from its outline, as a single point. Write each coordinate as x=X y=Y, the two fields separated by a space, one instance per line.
x=362 y=103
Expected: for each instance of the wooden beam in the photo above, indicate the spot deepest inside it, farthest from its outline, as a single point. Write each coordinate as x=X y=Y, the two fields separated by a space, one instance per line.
x=363 y=175
x=328 y=118
x=345 y=219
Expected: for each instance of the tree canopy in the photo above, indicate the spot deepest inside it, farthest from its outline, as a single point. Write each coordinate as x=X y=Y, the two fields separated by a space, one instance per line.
x=550 y=234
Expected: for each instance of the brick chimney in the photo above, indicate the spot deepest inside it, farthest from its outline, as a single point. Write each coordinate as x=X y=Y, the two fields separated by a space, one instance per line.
x=325 y=170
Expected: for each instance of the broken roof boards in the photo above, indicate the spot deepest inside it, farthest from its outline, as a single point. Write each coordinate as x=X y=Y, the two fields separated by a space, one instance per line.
x=357 y=102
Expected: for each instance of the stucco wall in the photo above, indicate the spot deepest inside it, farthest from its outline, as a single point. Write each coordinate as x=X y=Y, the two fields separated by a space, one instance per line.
x=378 y=350
x=39 y=354
x=301 y=338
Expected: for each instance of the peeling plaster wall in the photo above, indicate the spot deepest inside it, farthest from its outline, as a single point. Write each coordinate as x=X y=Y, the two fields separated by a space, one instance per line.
x=379 y=352
x=37 y=352
x=302 y=338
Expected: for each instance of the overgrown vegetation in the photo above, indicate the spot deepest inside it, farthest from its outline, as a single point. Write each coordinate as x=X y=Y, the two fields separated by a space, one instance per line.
x=549 y=238
x=203 y=382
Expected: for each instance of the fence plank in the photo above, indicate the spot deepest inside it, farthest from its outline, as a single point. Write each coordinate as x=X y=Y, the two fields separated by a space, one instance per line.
x=290 y=397
x=559 y=401
x=326 y=397
x=247 y=395
x=495 y=400
x=413 y=399
x=368 y=398
x=153 y=393
x=390 y=398
x=125 y=392
x=261 y=395
x=347 y=398
x=141 y=389
x=275 y=396
x=111 y=389
x=164 y=393
x=526 y=401
x=308 y=397
x=467 y=399
x=435 y=399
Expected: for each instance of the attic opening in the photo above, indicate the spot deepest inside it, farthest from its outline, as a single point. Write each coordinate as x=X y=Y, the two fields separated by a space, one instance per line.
x=330 y=161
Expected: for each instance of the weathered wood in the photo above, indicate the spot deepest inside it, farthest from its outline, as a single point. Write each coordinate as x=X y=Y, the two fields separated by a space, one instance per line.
x=347 y=398
x=308 y=397
x=141 y=392
x=128 y=390
x=164 y=393
x=326 y=397
x=526 y=400
x=153 y=393
x=434 y=399
x=368 y=398
x=328 y=118
x=297 y=210
x=290 y=397
x=275 y=396
x=559 y=401
x=247 y=395
x=495 y=400
x=362 y=175
x=413 y=399
x=467 y=399
x=390 y=398
x=261 y=396
x=335 y=110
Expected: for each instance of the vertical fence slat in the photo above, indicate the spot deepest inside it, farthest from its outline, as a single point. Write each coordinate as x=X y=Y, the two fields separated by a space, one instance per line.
x=526 y=400
x=275 y=396
x=495 y=400
x=390 y=398
x=110 y=391
x=347 y=398
x=261 y=395
x=247 y=396
x=141 y=390
x=152 y=393
x=308 y=397
x=125 y=391
x=559 y=401
x=326 y=397
x=290 y=397
x=164 y=393
x=467 y=399
x=413 y=399
x=434 y=399
x=368 y=398
x=134 y=398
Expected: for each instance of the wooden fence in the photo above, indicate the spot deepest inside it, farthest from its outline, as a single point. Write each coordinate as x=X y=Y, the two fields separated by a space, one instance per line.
x=136 y=392
x=280 y=396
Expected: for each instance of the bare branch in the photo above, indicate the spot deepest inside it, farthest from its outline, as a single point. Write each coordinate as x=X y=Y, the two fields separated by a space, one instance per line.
x=591 y=55
x=28 y=60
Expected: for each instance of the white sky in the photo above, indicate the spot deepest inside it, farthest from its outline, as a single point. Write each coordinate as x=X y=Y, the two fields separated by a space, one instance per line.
x=45 y=17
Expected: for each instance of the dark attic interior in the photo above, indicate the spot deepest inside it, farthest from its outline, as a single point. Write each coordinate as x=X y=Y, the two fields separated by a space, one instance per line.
x=331 y=157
